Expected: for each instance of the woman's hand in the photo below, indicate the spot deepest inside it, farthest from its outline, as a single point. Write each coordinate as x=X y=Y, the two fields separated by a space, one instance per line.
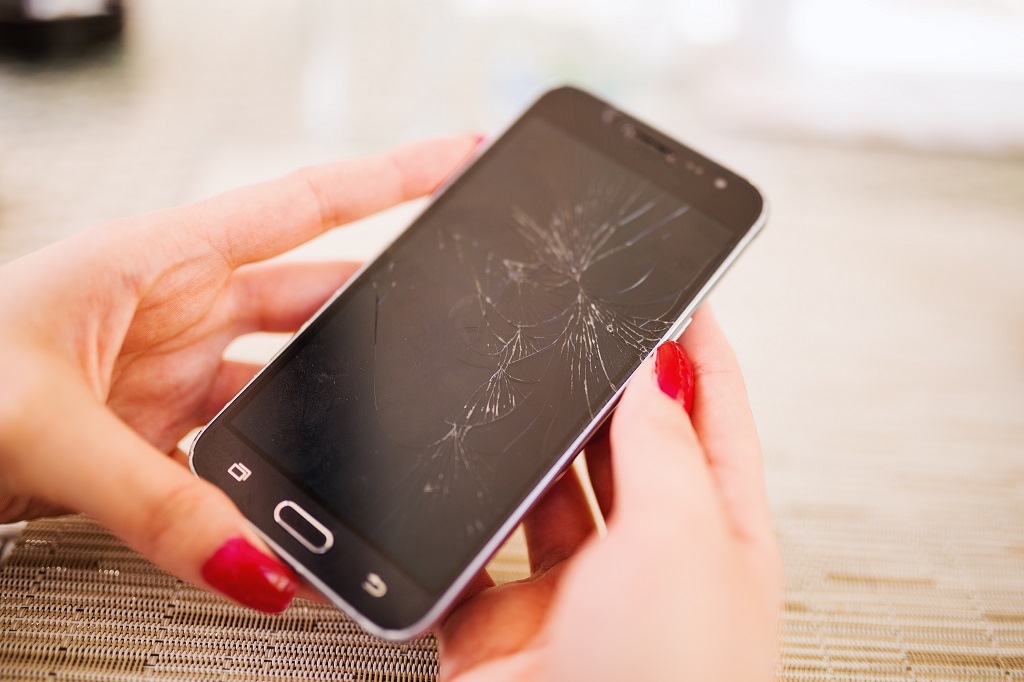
x=112 y=342
x=685 y=585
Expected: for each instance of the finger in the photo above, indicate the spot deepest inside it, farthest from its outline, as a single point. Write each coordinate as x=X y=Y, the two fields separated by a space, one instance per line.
x=477 y=584
x=662 y=477
x=88 y=460
x=271 y=297
x=725 y=425
x=495 y=623
x=280 y=297
x=304 y=591
x=232 y=376
x=260 y=221
x=558 y=524
x=180 y=457
x=599 y=466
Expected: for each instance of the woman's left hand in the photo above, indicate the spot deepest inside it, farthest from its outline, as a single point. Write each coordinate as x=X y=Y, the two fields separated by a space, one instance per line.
x=112 y=343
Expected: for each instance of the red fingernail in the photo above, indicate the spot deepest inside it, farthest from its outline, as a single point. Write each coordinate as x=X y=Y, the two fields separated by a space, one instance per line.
x=480 y=139
x=674 y=371
x=249 y=576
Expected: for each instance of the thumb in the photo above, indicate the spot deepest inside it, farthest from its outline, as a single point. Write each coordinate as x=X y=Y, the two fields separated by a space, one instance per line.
x=92 y=462
x=659 y=466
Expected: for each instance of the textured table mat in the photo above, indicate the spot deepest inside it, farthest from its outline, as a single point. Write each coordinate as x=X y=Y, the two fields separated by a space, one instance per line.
x=75 y=603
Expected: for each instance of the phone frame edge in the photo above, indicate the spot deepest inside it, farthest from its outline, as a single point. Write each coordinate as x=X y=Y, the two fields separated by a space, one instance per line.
x=447 y=597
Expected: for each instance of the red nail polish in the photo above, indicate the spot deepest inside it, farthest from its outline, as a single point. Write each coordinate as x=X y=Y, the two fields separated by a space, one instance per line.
x=249 y=576
x=674 y=371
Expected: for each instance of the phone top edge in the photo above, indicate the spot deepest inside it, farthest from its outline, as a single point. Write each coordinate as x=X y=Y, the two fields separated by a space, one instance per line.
x=562 y=107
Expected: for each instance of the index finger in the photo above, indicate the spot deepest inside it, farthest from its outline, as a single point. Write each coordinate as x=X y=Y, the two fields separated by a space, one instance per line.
x=725 y=425
x=260 y=221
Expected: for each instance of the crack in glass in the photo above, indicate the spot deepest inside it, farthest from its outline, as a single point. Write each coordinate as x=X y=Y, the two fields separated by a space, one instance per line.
x=532 y=318
x=433 y=395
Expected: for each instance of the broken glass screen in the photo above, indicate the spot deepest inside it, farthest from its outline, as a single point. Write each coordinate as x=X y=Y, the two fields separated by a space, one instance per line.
x=428 y=400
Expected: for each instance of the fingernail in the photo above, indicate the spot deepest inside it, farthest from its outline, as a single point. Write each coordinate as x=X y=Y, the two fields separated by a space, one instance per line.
x=480 y=139
x=674 y=371
x=249 y=576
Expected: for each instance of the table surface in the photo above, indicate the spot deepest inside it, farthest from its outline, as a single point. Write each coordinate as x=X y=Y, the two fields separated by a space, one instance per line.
x=879 y=319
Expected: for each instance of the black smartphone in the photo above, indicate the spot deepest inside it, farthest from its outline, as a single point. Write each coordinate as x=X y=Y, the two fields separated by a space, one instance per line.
x=396 y=441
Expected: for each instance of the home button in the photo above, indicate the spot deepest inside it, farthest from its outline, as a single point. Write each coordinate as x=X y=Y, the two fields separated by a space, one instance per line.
x=301 y=525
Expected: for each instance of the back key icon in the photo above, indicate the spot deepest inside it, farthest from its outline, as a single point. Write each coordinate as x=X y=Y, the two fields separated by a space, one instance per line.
x=375 y=585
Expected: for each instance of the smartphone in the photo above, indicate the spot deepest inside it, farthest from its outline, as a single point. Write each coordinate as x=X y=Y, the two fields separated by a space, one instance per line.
x=396 y=441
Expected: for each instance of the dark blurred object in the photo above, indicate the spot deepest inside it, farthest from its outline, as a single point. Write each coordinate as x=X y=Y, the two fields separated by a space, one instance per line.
x=42 y=28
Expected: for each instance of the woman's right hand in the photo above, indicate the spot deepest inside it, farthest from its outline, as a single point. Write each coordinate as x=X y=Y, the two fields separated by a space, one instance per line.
x=686 y=585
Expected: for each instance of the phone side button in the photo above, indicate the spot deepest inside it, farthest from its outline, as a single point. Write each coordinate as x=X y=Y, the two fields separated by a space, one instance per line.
x=301 y=525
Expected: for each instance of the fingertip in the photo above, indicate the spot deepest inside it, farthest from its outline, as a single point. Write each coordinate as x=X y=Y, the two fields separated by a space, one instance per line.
x=424 y=166
x=647 y=400
x=674 y=373
x=183 y=524
x=242 y=572
x=454 y=147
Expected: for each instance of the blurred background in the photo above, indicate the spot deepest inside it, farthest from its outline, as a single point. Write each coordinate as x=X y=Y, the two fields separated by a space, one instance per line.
x=879 y=318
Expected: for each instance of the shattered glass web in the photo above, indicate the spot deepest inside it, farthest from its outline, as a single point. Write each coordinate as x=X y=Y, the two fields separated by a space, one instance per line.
x=498 y=330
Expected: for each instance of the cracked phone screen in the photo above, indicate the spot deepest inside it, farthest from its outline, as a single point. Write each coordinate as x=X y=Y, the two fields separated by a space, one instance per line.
x=431 y=397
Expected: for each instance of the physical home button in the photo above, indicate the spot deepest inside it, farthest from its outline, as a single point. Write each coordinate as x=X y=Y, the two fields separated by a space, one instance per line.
x=301 y=525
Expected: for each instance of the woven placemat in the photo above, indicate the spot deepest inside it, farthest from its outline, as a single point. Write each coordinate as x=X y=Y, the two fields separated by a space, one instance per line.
x=75 y=603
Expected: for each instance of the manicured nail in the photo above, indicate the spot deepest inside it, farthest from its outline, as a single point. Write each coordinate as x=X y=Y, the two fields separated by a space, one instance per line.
x=249 y=576
x=674 y=371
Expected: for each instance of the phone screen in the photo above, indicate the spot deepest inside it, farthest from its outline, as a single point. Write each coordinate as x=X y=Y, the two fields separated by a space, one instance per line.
x=434 y=393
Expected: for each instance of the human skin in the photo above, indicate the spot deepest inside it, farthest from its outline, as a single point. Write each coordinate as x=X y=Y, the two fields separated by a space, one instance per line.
x=113 y=341
x=685 y=585
x=112 y=344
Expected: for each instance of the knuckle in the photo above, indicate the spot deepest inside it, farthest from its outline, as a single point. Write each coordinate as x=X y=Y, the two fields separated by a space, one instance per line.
x=718 y=375
x=241 y=298
x=405 y=175
x=322 y=208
